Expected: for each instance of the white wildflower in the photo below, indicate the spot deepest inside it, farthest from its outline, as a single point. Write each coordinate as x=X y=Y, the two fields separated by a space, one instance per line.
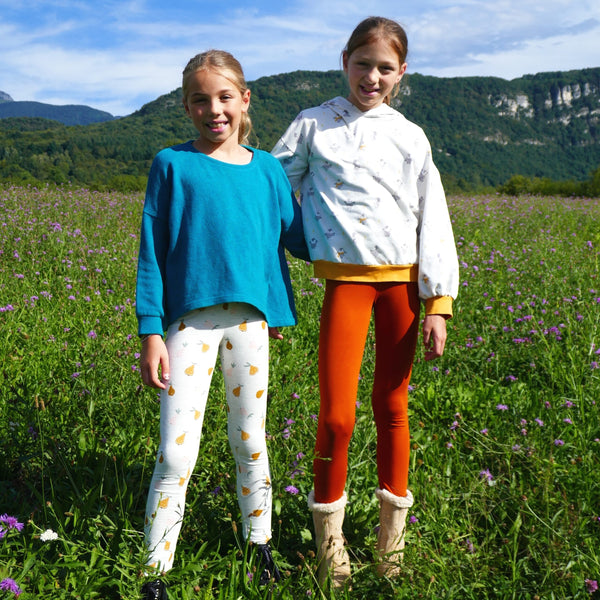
x=49 y=535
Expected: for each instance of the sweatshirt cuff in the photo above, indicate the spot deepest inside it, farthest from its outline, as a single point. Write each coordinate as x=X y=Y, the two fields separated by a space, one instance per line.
x=440 y=305
x=150 y=325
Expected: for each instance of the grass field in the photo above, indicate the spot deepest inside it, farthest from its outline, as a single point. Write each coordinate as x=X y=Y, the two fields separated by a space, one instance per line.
x=505 y=467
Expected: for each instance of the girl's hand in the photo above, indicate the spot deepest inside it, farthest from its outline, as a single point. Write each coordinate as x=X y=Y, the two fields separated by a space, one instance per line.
x=274 y=333
x=434 y=336
x=154 y=355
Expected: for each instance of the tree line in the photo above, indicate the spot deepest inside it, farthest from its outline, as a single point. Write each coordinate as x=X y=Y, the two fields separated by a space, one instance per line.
x=481 y=138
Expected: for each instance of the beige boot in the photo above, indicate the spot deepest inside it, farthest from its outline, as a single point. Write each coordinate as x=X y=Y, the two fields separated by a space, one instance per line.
x=333 y=560
x=390 y=538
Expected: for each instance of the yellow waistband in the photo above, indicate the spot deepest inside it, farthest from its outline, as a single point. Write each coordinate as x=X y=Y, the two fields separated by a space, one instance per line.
x=439 y=305
x=349 y=272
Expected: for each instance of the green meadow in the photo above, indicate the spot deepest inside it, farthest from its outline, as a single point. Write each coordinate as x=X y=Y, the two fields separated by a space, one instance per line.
x=505 y=463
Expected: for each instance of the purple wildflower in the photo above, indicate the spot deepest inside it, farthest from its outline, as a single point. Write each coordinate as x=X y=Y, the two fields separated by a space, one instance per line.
x=10 y=585
x=485 y=474
x=559 y=443
x=591 y=585
x=501 y=407
x=11 y=522
x=292 y=489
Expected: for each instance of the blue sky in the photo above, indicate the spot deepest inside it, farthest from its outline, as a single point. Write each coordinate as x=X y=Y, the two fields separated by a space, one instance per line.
x=116 y=55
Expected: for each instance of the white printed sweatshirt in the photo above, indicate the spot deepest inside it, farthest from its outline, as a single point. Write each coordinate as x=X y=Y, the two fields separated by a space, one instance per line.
x=373 y=205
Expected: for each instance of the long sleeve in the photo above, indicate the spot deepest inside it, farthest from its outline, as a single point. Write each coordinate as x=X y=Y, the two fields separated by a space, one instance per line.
x=293 y=153
x=154 y=241
x=292 y=231
x=438 y=261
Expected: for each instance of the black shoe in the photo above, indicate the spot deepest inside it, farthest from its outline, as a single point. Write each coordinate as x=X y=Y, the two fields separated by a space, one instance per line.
x=154 y=590
x=270 y=572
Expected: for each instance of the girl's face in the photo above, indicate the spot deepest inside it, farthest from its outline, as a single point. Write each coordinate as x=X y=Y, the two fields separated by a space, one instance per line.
x=215 y=105
x=372 y=70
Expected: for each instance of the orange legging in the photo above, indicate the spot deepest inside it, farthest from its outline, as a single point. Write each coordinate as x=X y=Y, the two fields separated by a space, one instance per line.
x=345 y=319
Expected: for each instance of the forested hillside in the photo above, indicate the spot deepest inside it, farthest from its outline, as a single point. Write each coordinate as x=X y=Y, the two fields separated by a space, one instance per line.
x=483 y=130
x=69 y=114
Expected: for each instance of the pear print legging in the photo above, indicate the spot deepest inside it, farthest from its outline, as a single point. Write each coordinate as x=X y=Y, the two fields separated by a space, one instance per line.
x=237 y=333
x=345 y=318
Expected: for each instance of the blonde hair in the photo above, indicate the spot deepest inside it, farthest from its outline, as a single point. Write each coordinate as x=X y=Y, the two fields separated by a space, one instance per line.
x=229 y=67
x=374 y=29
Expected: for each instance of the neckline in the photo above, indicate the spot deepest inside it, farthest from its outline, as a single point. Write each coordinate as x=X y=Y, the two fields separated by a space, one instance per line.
x=224 y=162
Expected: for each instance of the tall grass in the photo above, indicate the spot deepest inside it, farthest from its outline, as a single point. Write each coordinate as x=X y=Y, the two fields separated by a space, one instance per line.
x=505 y=427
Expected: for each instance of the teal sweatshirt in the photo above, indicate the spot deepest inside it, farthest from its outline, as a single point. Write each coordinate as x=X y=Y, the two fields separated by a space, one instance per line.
x=214 y=232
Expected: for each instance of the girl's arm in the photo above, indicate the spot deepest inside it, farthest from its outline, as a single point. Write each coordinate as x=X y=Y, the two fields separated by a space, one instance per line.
x=154 y=359
x=292 y=151
x=154 y=362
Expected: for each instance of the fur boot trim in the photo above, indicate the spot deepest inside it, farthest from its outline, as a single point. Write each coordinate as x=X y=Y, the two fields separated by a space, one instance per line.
x=399 y=501
x=326 y=507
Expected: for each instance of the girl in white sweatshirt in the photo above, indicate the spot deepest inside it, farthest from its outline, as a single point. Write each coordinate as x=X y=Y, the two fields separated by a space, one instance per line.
x=378 y=229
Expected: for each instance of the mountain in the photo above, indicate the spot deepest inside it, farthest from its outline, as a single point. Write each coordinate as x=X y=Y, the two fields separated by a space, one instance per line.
x=483 y=130
x=70 y=114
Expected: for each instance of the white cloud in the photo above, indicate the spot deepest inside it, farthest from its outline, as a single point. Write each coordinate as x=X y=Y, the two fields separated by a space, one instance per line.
x=501 y=32
x=558 y=53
